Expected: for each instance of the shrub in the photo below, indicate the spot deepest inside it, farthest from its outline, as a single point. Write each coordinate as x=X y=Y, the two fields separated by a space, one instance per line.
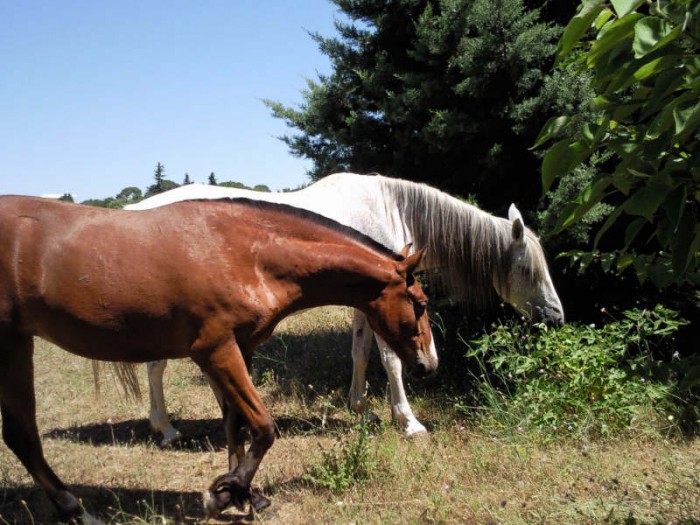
x=581 y=380
x=351 y=462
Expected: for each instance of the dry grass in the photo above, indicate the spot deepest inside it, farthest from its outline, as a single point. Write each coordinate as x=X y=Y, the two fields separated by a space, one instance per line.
x=104 y=450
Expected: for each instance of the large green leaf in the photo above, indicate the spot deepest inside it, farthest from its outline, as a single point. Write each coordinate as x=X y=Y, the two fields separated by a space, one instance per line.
x=617 y=33
x=560 y=159
x=550 y=129
x=647 y=70
x=578 y=25
x=685 y=246
x=647 y=200
x=633 y=230
x=686 y=118
x=665 y=84
x=650 y=33
x=675 y=206
x=612 y=218
x=623 y=7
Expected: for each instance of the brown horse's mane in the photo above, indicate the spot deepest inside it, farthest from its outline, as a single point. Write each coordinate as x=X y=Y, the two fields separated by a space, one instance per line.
x=301 y=213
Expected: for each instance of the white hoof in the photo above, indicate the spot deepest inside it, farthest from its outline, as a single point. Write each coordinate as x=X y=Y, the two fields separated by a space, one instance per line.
x=358 y=400
x=211 y=510
x=170 y=436
x=413 y=429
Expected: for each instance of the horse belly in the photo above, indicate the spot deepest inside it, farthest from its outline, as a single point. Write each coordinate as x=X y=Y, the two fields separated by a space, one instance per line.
x=134 y=339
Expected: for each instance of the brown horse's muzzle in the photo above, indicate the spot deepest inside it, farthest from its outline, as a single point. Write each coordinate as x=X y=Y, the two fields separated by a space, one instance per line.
x=420 y=370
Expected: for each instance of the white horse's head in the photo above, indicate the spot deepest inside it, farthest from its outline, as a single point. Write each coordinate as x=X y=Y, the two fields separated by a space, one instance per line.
x=526 y=284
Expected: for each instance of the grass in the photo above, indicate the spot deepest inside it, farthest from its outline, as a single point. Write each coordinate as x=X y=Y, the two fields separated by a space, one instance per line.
x=459 y=473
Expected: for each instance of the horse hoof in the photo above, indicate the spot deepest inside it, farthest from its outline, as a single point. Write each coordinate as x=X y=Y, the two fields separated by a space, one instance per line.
x=414 y=429
x=223 y=493
x=170 y=438
x=258 y=501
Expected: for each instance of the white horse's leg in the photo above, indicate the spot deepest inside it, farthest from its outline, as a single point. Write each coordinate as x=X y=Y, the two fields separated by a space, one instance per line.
x=361 y=345
x=159 y=416
x=400 y=409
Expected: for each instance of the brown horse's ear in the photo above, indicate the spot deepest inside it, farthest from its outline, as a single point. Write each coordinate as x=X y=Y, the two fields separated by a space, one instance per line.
x=404 y=252
x=410 y=263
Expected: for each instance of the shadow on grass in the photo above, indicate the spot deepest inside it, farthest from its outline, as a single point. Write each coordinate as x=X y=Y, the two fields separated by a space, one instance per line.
x=201 y=434
x=321 y=359
x=29 y=505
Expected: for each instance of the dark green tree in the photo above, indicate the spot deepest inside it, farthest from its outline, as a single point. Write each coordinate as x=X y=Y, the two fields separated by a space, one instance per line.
x=66 y=197
x=450 y=92
x=234 y=184
x=130 y=194
x=161 y=184
x=212 y=179
x=187 y=179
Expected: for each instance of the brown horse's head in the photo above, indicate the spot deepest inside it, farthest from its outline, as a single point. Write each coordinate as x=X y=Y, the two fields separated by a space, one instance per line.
x=400 y=316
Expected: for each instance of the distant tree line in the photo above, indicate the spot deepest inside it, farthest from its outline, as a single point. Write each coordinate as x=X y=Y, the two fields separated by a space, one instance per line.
x=132 y=194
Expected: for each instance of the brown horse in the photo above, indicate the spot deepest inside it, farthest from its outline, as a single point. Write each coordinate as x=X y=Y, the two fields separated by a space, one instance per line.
x=205 y=280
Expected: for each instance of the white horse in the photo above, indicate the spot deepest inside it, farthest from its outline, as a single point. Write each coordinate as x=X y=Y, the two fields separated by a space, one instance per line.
x=478 y=254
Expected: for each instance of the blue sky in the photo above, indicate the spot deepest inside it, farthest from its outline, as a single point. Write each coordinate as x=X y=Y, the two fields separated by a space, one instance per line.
x=94 y=94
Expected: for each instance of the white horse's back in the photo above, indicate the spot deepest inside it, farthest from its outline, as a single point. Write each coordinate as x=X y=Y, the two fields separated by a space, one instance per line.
x=350 y=199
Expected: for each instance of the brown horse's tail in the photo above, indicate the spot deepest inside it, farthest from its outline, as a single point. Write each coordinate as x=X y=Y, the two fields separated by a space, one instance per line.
x=124 y=374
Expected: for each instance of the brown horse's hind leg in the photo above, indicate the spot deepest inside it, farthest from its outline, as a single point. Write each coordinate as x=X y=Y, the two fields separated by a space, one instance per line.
x=19 y=430
x=228 y=370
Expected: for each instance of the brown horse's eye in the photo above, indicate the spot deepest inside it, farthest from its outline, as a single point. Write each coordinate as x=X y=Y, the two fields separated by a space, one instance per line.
x=419 y=308
x=410 y=280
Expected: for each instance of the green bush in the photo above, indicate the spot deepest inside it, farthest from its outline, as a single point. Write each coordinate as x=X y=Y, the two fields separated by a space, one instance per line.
x=351 y=462
x=581 y=380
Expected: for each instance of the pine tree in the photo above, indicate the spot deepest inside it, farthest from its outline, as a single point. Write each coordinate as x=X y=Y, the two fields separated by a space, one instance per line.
x=212 y=179
x=161 y=183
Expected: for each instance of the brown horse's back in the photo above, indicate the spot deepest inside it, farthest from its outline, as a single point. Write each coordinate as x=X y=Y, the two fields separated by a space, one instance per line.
x=132 y=284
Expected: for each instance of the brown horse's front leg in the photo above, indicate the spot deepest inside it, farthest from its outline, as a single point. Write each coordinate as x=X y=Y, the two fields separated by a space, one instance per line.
x=228 y=370
x=19 y=430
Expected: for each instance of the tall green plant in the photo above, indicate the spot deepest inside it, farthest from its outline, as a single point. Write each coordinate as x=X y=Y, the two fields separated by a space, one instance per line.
x=583 y=380
x=352 y=462
x=646 y=75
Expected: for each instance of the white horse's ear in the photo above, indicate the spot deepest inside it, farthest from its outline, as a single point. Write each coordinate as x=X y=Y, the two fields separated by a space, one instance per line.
x=518 y=229
x=514 y=213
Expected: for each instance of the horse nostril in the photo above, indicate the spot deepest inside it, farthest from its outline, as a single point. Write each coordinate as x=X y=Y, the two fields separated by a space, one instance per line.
x=549 y=316
x=419 y=371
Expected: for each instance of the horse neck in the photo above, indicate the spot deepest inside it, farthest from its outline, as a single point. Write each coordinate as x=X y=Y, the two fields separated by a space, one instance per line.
x=350 y=276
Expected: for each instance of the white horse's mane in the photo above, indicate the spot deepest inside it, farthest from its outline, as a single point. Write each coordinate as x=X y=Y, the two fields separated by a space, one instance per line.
x=470 y=246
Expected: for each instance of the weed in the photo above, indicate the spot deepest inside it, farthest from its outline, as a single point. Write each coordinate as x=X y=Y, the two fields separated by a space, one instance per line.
x=147 y=513
x=351 y=462
x=579 y=380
